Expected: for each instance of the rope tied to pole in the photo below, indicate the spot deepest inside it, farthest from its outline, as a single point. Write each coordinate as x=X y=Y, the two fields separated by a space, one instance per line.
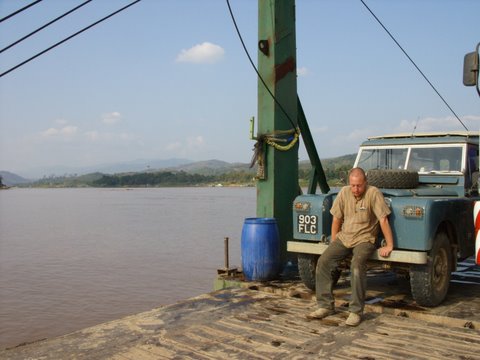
x=273 y=140
x=289 y=138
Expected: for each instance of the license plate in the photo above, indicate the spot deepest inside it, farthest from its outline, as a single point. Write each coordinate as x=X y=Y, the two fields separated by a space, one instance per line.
x=307 y=224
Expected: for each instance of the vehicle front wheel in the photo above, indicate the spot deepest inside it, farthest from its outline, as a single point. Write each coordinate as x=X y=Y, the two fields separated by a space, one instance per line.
x=429 y=283
x=307 y=267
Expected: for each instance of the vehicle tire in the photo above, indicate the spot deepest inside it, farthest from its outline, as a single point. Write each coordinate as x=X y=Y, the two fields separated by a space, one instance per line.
x=392 y=179
x=307 y=267
x=429 y=283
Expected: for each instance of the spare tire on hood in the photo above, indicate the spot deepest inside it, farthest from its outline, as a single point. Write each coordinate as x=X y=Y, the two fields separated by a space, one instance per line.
x=392 y=179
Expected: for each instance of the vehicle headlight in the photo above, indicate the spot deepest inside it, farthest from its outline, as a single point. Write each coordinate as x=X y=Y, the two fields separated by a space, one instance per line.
x=413 y=211
x=302 y=206
x=388 y=201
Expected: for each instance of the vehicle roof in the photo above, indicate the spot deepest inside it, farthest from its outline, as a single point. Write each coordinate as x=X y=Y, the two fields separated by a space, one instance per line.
x=424 y=138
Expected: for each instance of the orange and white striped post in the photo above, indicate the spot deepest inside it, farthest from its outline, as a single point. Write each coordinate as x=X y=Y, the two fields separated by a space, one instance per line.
x=476 y=219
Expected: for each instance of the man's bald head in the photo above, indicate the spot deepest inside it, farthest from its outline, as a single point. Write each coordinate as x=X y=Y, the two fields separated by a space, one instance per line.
x=358 y=181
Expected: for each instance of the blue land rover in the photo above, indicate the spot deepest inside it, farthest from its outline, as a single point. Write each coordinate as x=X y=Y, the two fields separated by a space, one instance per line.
x=430 y=183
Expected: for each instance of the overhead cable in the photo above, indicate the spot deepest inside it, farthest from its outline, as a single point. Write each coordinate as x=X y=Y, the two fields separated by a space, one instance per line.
x=413 y=62
x=44 y=26
x=19 y=11
x=69 y=37
x=256 y=70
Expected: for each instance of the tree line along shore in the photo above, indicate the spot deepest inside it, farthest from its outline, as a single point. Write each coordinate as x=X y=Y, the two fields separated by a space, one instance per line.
x=335 y=170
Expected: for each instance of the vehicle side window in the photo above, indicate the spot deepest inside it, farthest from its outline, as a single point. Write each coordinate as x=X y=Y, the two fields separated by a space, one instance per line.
x=473 y=158
x=472 y=173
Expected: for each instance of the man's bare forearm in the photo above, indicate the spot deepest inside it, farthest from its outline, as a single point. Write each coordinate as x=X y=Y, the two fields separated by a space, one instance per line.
x=388 y=235
x=336 y=226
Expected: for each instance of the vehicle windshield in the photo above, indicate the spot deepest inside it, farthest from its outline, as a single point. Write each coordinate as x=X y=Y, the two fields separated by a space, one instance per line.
x=382 y=158
x=420 y=159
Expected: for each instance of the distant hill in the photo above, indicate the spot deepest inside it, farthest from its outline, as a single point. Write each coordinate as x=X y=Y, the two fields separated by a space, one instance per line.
x=208 y=167
x=11 y=179
x=340 y=161
x=112 y=168
x=335 y=170
x=140 y=165
x=68 y=181
x=211 y=167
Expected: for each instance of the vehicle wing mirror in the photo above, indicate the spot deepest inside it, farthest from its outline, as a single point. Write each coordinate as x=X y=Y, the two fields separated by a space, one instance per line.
x=470 y=69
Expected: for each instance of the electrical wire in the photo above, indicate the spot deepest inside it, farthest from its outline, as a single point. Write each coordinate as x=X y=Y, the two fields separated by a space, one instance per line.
x=256 y=70
x=414 y=64
x=69 y=37
x=44 y=26
x=19 y=11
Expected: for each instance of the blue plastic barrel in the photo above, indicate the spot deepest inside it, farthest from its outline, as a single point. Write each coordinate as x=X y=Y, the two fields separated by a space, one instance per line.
x=260 y=249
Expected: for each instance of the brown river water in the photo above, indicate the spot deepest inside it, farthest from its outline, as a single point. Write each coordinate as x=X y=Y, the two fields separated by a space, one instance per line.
x=73 y=258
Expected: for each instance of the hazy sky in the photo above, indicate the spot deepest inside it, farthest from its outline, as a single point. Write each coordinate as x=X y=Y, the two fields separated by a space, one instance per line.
x=169 y=79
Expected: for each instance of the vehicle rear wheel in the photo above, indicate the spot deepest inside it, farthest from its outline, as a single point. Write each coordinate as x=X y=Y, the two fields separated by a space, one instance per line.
x=307 y=267
x=429 y=283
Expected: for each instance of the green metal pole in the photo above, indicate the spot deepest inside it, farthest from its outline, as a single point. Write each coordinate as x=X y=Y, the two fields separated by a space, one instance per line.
x=318 y=175
x=277 y=67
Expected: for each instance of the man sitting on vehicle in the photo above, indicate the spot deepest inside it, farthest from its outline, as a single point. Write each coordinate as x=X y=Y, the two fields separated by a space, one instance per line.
x=358 y=212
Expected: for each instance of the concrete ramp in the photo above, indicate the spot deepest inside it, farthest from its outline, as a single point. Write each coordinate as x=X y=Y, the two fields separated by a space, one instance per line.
x=272 y=324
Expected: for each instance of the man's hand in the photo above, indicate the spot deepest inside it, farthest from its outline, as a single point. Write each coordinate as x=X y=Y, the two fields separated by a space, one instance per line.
x=385 y=251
